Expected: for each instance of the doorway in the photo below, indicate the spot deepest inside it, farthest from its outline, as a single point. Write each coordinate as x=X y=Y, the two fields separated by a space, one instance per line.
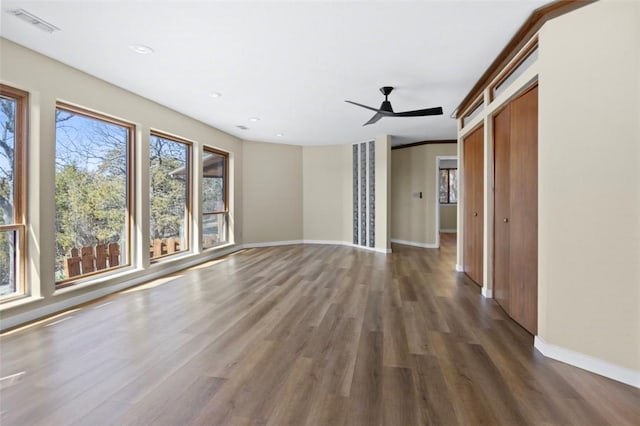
x=446 y=199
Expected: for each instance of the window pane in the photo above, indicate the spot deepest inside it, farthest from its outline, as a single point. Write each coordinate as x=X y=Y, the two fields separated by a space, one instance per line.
x=443 y=186
x=213 y=181
x=8 y=269
x=473 y=114
x=453 y=186
x=214 y=229
x=517 y=72
x=8 y=109
x=13 y=114
x=92 y=220
x=168 y=196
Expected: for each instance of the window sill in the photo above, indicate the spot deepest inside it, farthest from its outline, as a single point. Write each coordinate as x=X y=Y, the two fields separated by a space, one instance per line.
x=92 y=281
x=172 y=257
x=20 y=302
x=218 y=247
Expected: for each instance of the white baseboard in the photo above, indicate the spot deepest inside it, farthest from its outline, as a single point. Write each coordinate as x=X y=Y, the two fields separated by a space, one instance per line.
x=326 y=242
x=589 y=363
x=330 y=243
x=448 y=231
x=272 y=244
x=487 y=293
x=348 y=244
x=459 y=268
x=413 y=243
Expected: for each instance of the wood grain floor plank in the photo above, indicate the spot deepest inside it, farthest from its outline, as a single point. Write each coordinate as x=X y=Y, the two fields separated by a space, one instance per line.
x=434 y=402
x=365 y=400
x=304 y=335
x=399 y=404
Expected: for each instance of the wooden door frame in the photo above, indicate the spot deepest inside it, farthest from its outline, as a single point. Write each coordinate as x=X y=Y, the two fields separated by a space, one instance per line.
x=437 y=194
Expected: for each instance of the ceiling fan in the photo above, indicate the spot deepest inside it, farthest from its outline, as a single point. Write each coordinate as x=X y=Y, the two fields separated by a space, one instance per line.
x=386 y=110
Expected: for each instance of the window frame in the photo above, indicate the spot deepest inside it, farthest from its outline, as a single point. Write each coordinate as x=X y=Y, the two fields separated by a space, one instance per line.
x=130 y=187
x=189 y=198
x=448 y=202
x=19 y=224
x=225 y=211
x=530 y=48
x=473 y=111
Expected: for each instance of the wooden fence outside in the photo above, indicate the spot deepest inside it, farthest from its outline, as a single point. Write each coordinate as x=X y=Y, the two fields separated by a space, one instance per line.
x=86 y=260
x=164 y=247
x=91 y=259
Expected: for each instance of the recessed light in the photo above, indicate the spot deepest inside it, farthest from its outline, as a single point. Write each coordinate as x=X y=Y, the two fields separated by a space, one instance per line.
x=279 y=135
x=140 y=49
x=254 y=119
x=215 y=94
x=241 y=127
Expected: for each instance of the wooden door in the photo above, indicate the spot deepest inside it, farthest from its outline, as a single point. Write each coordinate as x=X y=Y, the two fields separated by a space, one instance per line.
x=523 y=222
x=473 y=204
x=502 y=171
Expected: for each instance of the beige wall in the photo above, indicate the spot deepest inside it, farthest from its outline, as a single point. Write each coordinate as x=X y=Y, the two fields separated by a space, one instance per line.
x=414 y=170
x=47 y=81
x=327 y=193
x=271 y=192
x=589 y=167
x=448 y=217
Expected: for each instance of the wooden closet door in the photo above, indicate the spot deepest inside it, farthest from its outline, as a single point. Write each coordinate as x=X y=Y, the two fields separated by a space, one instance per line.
x=473 y=204
x=501 y=158
x=523 y=222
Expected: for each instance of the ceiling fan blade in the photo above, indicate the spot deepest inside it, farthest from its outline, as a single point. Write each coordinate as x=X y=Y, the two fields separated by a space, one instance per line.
x=419 y=112
x=362 y=106
x=375 y=118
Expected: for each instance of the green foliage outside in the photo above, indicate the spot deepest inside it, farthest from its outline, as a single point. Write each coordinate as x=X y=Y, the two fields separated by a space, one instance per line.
x=90 y=210
x=7 y=140
x=168 y=189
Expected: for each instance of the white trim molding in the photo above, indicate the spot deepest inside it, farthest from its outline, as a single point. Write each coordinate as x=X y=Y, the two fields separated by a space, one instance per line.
x=487 y=293
x=348 y=244
x=589 y=363
x=272 y=244
x=459 y=268
x=413 y=243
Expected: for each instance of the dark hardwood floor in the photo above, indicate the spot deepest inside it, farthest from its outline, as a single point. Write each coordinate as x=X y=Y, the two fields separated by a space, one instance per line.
x=299 y=335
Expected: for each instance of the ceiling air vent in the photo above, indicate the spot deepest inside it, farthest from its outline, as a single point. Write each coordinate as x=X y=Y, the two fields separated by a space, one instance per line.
x=241 y=127
x=32 y=19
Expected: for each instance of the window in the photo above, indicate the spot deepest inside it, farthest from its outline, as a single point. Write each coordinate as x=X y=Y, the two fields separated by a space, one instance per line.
x=93 y=192
x=13 y=135
x=169 y=198
x=518 y=67
x=448 y=186
x=474 y=111
x=214 y=197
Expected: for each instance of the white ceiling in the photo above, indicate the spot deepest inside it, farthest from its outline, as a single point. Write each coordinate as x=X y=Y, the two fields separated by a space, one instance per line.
x=290 y=63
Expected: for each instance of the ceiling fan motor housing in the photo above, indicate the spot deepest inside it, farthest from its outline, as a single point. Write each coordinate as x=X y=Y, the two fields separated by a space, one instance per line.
x=386 y=106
